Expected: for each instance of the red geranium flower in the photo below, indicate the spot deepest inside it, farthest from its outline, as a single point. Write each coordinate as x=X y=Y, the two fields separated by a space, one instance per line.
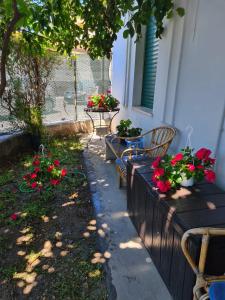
x=200 y=167
x=176 y=158
x=26 y=177
x=163 y=186
x=159 y=172
x=36 y=162
x=34 y=185
x=191 y=167
x=210 y=160
x=50 y=168
x=203 y=153
x=156 y=162
x=54 y=181
x=100 y=104
x=56 y=162
x=90 y=104
x=14 y=217
x=63 y=172
x=210 y=176
x=36 y=170
x=33 y=175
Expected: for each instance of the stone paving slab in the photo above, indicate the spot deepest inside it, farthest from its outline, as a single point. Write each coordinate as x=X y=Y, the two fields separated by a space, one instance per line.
x=131 y=273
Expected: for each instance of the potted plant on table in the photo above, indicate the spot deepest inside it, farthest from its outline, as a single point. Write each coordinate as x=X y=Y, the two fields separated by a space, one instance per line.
x=183 y=169
x=102 y=102
x=125 y=131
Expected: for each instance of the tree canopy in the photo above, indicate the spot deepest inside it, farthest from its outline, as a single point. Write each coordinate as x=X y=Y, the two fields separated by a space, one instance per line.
x=66 y=24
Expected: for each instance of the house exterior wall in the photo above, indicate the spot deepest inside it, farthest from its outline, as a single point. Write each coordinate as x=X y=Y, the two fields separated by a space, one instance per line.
x=190 y=83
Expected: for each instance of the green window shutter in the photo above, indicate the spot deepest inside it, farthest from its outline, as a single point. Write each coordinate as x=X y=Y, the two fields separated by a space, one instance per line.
x=150 y=65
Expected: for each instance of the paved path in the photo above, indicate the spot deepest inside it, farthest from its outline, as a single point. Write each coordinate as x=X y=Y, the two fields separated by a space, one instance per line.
x=131 y=273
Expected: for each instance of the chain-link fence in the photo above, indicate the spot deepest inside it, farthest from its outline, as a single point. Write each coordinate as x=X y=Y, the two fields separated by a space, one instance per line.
x=71 y=84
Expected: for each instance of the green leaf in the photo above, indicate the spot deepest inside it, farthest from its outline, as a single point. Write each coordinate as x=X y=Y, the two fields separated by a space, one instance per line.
x=180 y=11
x=126 y=33
x=170 y=14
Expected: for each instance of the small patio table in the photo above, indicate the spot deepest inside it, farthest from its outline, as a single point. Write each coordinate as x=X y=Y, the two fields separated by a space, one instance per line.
x=101 y=112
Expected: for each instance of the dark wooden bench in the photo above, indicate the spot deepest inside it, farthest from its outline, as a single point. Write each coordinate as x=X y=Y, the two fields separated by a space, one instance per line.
x=114 y=148
x=161 y=221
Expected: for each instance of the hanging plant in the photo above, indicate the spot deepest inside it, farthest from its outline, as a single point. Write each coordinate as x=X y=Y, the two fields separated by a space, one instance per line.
x=171 y=171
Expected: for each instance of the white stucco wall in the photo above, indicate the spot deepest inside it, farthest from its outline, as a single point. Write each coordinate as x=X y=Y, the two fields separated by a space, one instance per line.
x=190 y=85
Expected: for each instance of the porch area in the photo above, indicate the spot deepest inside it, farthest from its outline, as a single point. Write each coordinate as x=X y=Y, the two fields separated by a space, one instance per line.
x=130 y=272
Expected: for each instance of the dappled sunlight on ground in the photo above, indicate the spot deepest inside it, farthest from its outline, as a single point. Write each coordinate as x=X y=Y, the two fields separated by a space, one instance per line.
x=101 y=257
x=69 y=203
x=120 y=214
x=130 y=245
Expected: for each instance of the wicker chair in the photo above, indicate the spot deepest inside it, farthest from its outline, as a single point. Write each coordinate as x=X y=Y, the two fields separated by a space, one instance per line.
x=160 y=140
x=206 y=287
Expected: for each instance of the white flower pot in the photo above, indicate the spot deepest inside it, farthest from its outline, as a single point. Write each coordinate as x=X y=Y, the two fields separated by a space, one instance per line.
x=187 y=182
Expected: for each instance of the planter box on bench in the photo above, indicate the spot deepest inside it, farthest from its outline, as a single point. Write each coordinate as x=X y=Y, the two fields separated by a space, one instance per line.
x=161 y=220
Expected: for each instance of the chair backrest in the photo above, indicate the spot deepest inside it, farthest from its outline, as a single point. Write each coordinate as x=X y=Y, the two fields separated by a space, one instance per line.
x=161 y=138
x=202 y=279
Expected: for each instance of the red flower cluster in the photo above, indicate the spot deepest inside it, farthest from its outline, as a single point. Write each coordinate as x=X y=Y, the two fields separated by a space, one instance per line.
x=96 y=101
x=163 y=185
x=45 y=172
x=178 y=157
x=171 y=170
x=210 y=176
x=90 y=104
x=105 y=101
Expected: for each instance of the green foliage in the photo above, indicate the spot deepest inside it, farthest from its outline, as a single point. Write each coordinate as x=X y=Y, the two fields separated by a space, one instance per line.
x=34 y=210
x=6 y=177
x=125 y=130
x=132 y=132
x=111 y=102
x=7 y=272
x=91 y=24
x=122 y=128
x=29 y=73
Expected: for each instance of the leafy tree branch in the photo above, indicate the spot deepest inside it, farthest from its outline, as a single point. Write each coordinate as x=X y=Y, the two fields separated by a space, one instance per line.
x=5 y=44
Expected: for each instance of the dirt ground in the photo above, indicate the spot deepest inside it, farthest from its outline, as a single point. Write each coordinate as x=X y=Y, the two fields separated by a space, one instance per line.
x=50 y=251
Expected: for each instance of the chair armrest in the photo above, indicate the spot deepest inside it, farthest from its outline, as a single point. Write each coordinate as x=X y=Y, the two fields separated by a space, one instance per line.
x=206 y=232
x=132 y=151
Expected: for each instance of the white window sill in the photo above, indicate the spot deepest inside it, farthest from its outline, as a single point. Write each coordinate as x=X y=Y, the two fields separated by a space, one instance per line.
x=144 y=110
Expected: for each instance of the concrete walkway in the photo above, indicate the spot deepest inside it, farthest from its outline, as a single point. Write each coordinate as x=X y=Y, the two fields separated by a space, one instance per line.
x=130 y=271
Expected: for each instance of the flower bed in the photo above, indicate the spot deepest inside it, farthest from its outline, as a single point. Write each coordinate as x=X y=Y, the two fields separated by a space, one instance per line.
x=47 y=241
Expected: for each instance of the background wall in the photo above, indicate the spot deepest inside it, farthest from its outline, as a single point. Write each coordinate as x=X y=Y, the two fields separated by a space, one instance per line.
x=190 y=84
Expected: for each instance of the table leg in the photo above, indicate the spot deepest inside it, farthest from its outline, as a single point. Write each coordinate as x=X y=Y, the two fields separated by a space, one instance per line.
x=110 y=124
x=93 y=128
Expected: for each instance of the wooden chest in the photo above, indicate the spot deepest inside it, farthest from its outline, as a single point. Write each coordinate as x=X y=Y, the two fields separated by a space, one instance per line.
x=161 y=220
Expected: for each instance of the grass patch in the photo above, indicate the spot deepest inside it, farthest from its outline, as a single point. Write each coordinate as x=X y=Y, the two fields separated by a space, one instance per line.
x=6 y=177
